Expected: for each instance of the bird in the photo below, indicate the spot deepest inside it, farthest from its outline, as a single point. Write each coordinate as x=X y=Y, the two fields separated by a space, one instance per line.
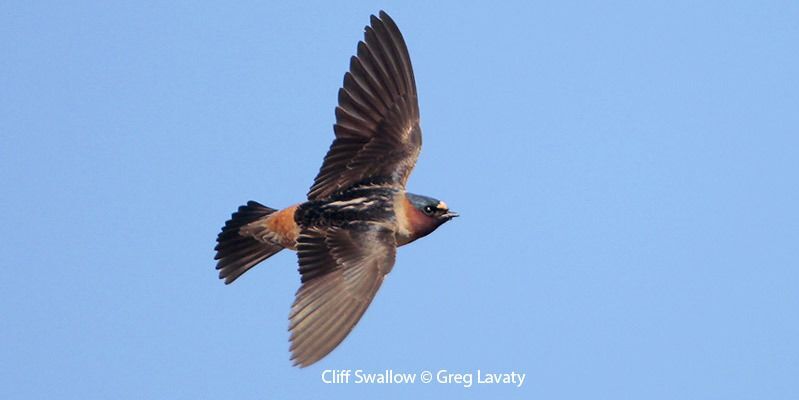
x=357 y=210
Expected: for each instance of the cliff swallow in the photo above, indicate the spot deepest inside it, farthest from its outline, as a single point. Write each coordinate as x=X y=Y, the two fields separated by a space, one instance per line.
x=357 y=213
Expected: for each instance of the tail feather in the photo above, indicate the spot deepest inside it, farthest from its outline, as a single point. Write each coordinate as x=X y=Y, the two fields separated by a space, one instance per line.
x=237 y=253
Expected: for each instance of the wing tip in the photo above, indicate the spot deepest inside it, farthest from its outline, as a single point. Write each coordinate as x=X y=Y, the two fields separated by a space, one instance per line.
x=384 y=16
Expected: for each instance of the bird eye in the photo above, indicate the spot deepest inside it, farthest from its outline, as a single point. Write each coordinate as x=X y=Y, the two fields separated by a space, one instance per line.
x=429 y=210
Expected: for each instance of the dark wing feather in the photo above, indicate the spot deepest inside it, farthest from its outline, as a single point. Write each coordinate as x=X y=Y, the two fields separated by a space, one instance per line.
x=342 y=269
x=378 y=137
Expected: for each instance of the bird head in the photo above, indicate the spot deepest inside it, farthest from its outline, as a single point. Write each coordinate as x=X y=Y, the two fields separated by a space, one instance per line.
x=427 y=214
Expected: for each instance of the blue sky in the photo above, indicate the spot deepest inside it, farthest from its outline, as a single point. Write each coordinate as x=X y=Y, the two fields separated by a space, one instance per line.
x=626 y=174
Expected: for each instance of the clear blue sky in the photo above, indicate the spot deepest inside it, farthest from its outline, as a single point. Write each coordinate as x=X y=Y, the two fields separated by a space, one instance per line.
x=626 y=174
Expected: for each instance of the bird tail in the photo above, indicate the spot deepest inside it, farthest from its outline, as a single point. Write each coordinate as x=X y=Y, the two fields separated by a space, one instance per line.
x=237 y=253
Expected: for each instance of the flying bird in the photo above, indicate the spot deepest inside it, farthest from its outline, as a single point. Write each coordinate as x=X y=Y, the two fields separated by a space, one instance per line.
x=357 y=213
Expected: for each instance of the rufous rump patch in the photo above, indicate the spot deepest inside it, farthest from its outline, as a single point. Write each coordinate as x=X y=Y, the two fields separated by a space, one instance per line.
x=282 y=224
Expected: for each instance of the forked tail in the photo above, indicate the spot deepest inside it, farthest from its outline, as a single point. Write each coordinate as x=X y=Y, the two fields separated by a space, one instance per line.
x=237 y=253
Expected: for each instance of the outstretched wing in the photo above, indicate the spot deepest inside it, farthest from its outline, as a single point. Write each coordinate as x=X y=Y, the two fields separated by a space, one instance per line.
x=378 y=137
x=342 y=269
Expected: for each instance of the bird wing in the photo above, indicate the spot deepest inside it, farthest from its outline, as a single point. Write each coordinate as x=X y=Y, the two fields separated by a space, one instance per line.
x=378 y=137
x=342 y=269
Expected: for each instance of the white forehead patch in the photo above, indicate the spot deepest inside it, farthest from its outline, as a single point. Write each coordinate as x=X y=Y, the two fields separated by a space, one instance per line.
x=442 y=206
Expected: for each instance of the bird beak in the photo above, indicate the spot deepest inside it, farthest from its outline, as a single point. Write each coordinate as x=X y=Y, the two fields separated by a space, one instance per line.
x=450 y=215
